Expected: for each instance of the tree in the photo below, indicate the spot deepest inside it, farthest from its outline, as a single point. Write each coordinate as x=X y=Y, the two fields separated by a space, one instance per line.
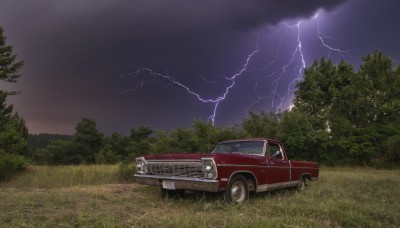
x=115 y=149
x=262 y=125
x=356 y=110
x=301 y=140
x=206 y=134
x=140 y=133
x=162 y=143
x=140 y=141
x=9 y=65
x=5 y=110
x=87 y=140
x=57 y=152
x=13 y=133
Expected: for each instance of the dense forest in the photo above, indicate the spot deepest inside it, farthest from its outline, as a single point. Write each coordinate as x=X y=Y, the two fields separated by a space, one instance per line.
x=340 y=116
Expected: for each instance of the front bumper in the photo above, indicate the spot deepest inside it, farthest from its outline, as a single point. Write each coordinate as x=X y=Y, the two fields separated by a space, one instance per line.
x=196 y=184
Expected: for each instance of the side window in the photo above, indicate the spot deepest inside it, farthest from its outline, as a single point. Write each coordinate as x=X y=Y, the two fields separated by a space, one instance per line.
x=275 y=150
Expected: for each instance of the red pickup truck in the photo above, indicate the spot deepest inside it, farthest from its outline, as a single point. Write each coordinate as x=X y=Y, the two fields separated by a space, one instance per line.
x=235 y=167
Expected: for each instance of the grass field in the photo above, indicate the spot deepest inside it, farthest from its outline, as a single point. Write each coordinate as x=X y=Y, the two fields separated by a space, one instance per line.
x=93 y=196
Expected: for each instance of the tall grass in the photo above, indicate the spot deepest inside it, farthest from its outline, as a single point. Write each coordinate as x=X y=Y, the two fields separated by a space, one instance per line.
x=65 y=176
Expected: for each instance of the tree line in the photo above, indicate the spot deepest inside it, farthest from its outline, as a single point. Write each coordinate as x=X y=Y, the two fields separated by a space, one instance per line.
x=340 y=116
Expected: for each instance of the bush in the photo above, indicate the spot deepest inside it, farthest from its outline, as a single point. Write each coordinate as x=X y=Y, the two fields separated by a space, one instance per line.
x=10 y=164
x=126 y=171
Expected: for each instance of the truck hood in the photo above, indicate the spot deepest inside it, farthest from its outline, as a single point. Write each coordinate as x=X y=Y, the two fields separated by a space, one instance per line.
x=218 y=158
x=183 y=156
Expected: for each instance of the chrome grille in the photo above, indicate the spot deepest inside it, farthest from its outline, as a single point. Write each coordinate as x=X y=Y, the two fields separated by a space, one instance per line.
x=175 y=168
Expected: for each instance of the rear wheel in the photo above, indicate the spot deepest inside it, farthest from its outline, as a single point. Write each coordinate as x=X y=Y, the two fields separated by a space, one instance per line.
x=237 y=190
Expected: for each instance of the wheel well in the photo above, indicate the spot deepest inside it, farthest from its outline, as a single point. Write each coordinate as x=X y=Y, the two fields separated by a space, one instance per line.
x=306 y=176
x=251 y=180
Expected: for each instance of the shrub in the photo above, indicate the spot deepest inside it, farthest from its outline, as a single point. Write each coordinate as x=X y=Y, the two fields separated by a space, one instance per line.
x=126 y=171
x=10 y=164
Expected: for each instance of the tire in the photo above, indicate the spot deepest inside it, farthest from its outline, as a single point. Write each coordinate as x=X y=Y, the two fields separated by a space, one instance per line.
x=237 y=190
x=167 y=194
x=301 y=185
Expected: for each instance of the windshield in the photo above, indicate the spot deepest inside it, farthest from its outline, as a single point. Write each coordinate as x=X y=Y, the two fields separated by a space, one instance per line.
x=241 y=147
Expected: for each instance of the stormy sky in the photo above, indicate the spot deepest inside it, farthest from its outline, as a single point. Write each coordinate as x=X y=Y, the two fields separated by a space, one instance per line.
x=83 y=59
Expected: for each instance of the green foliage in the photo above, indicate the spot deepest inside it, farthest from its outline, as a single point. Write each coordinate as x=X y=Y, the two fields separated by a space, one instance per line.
x=161 y=143
x=5 y=110
x=301 y=140
x=357 y=111
x=139 y=141
x=389 y=152
x=13 y=137
x=58 y=152
x=10 y=164
x=9 y=65
x=184 y=140
x=40 y=141
x=126 y=170
x=140 y=133
x=262 y=125
x=115 y=149
x=206 y=134
x=106 y=155
x=203 y=137
x=87 y=141
x=13 y=132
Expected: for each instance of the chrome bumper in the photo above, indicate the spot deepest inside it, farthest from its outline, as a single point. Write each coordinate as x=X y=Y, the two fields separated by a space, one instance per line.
x=196 y=184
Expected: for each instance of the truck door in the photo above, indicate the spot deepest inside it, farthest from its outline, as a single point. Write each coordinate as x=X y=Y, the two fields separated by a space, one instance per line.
x=278 y=165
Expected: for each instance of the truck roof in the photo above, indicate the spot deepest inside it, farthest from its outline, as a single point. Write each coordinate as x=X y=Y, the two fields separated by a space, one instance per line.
x=250 y=139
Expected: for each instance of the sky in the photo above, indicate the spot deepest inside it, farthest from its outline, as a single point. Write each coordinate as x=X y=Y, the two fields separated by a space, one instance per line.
x=164 y=63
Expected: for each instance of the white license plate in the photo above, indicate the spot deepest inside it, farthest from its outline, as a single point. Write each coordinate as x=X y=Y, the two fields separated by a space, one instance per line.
x=168 y=184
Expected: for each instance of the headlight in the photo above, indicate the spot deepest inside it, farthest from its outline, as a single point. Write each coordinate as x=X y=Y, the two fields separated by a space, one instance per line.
x=209 y=168
x=141 y=165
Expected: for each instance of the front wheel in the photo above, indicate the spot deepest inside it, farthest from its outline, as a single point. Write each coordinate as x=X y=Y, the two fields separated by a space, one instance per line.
x=301 y=185
x=237 y=190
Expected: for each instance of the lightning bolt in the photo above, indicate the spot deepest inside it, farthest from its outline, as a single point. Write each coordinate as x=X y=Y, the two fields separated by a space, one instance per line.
x=172 y=80
x=277 y=99
x=322 y=37
x=296 y=62
x=298 y=50
x=274 y=94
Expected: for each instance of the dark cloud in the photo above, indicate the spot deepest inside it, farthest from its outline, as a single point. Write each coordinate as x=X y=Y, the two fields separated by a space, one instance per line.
x=86 y=32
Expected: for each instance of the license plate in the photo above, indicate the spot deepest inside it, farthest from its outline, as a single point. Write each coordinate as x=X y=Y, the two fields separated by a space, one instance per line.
x=168 y=184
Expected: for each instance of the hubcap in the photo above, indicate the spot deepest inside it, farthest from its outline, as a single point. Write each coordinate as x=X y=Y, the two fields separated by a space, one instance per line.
x=238 y=192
